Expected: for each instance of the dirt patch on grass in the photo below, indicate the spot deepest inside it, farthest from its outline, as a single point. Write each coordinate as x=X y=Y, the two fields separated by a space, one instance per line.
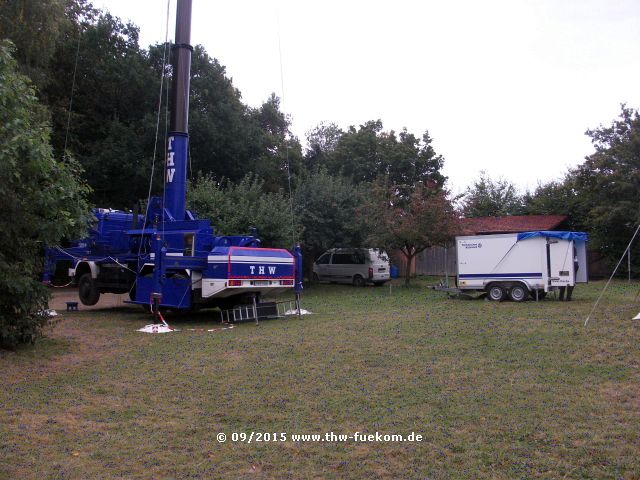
x=60 y=297
x=69 y=343
x=72 y=346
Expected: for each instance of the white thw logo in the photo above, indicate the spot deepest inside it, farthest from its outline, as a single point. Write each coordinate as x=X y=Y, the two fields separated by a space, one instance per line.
x=272 y=270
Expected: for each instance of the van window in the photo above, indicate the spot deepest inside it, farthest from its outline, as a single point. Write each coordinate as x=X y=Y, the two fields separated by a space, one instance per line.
x=359 y=257
x=324 y=259
x=342 y=259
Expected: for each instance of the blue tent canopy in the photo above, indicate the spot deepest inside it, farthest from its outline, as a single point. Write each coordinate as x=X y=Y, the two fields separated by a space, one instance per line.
x=575 y=236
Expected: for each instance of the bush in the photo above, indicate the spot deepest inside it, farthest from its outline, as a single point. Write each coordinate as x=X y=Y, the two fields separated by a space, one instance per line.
x=43 y=202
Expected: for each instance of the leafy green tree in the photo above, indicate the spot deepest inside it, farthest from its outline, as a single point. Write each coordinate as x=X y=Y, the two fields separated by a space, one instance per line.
x=322 y=141
x=277 y=149
x=409 y=223
x=112 y=126
x=366 y=153
x=222 y=139
x=326 y=206
x=43 y=202
x=492 y=198
x=35 y=27
x=608 y=182
x=234 y=208
x=558 y=197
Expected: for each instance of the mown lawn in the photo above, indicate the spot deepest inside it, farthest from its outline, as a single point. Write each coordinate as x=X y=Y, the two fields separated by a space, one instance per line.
x=497 y=391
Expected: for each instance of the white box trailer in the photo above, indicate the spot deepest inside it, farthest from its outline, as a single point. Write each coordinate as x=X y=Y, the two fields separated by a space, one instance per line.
x=519 y=265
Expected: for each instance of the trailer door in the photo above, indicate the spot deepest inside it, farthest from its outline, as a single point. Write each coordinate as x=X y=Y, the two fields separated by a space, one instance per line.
x=560 y=264
x=582 y=275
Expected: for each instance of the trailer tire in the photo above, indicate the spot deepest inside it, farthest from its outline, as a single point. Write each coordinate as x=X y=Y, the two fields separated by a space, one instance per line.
x=88 y=290
x=358 y=281
x=518 y=293
x=496 y=292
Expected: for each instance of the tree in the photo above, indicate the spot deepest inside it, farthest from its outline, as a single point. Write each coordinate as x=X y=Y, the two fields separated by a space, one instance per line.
x=410 y=223
x=492 y=198
x=234 y=208
x=608 y=182
x=35 y=27
x=322 y=142
x=222 y=137
x=326 y=206
x=364 y=154
x=558 y=197
x=43 y=203
x=279 y=154
x=113 y=118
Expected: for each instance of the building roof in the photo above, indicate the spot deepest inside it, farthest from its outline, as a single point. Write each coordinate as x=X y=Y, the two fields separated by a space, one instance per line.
x=511 y=224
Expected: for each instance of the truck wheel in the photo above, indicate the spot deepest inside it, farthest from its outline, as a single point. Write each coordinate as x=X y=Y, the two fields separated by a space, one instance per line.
x=358 y=281
x=496 y=292
x=518 y=293
x=88 y=290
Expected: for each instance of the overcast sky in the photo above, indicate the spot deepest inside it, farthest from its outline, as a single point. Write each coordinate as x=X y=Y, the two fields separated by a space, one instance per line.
x=505 y=86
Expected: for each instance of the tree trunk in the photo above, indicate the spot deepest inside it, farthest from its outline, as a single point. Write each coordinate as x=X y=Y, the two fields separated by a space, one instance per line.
x=407 y=271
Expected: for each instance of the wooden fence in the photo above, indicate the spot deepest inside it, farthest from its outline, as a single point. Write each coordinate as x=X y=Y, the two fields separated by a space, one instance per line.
x=436 y=261
x=431 y=261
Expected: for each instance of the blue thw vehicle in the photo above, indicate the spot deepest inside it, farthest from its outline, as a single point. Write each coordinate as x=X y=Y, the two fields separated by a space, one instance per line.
x=167 y=257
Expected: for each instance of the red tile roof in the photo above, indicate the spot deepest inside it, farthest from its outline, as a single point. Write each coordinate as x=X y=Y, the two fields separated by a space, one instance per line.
x=511 y=224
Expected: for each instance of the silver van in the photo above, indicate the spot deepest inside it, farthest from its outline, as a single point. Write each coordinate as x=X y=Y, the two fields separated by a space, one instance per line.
x=357 y=266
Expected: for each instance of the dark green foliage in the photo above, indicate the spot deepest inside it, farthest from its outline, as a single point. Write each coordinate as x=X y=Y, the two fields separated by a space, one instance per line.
x=326 y=206
x=42 y=203
x=492 y=198
x=276 y=148
x=234 y=208
x=112 y=127
x=363 y=154
x=36 y=27
x=609 y=181
x=601 y=195
x=321 y=144
x=221 y=137
x=558 y=198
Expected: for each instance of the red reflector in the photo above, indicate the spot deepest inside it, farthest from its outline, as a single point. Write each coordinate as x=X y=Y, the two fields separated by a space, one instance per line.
x=286 y=282
x=235 y=283
x=370 y=272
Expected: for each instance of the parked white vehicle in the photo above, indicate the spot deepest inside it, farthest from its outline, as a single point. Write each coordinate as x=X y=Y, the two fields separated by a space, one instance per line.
x=357 y=266
x=519 y=265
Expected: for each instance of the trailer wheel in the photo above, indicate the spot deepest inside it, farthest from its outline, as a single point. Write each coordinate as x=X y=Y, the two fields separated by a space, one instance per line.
x=518 y=293
x=88 y=290
x=358 y=281
x=496 y=292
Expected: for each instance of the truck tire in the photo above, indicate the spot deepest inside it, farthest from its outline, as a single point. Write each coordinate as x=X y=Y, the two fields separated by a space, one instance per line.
x=495 y=291
x=88 y=290
x=358 y=281
x=518 y=293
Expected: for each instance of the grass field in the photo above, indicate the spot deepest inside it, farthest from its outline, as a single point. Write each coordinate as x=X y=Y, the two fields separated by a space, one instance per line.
x=498 y=390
